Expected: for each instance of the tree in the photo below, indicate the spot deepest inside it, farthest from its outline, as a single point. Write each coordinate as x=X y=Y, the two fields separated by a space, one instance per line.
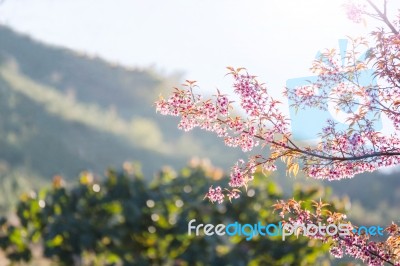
x=124 y=220
x=339 y=153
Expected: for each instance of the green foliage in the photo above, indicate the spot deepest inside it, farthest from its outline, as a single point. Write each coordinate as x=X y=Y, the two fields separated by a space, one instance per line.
x=13 y=183
x=126 y=220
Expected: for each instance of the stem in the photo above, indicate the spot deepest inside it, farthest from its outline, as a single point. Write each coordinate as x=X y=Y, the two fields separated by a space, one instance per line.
x=370 y=252
x=332 y=158
x=335 y=158
x=383 y=16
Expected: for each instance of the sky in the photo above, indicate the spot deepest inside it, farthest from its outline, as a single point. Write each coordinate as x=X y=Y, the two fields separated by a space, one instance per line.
x=275 y=39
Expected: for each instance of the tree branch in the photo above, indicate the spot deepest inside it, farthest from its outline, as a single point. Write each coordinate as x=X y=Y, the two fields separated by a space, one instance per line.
x=383 y=16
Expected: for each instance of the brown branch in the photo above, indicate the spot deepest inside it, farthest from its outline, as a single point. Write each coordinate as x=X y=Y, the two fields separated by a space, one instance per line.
x=335 y=158
x=383 y=16
x=370 y=252
x=332 y=158
x=320 y=156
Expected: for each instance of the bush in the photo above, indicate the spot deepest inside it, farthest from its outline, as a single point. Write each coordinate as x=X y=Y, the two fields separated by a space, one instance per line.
x=124 y=220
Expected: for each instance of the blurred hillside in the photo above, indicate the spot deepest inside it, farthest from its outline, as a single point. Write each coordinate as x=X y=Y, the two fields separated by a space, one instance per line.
x=62 y=112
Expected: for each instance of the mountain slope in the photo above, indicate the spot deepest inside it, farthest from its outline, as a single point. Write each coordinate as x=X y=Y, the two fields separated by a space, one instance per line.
x=62 y=112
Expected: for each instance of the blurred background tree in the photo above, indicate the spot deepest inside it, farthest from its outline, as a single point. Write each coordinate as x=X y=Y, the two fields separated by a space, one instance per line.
x=125 y=220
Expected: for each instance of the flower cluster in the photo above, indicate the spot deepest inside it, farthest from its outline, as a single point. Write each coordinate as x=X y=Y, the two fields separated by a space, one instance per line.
x=264 y=123
x=360 y=147
x=354 y=11
x=215 y=194
x=387 y=57
x=355 y=245
x=339 y=153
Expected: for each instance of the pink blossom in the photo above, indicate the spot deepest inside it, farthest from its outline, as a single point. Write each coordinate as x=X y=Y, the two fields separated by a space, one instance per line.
x=354 y=11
